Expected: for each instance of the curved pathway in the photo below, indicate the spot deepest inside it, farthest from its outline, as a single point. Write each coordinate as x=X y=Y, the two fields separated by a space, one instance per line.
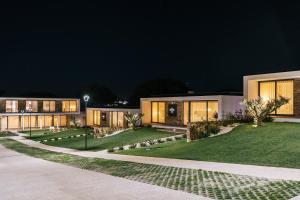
x=249 y=170
x=24 y=177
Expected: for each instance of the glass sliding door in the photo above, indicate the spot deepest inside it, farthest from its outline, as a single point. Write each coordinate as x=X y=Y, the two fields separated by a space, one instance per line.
x=267 y=90
x=270 y=90
x=285 y=89
x=186 y=113
x=13 y=122
x=120 y=119
x=97 y=117
x=212 y=110
x=158 y=112
x=198 y=111
x=48 y=121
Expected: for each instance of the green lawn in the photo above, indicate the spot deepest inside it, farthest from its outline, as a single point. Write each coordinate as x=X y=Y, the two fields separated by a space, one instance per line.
x=273 y=144
x=210 y=184
x=127 y=137
x=6 y=133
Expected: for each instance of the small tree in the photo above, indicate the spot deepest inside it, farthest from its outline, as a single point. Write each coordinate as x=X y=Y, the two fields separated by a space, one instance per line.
x=260 y=109
x=133 y=119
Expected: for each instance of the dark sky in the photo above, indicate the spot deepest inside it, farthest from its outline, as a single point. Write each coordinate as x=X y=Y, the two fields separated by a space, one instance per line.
x=61 y=47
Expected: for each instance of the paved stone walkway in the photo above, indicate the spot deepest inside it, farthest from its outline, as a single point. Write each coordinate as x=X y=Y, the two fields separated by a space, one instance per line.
x=249 y=170
x=24 y=177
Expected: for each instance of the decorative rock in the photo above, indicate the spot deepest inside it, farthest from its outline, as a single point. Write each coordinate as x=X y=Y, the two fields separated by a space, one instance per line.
x=126 y=147
x=138 y=145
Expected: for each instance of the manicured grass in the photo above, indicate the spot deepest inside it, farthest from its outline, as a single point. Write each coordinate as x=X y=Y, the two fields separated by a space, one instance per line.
x=6 y=133
x=273 y=144
x=214 y=185
x=127 y=137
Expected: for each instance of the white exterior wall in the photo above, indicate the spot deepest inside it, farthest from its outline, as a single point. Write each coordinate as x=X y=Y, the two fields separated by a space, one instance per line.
x=231 y=104
x=226 y=103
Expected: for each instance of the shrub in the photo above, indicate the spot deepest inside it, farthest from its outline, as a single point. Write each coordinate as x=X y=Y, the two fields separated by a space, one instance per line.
x=160 y=141
x=268 y=119
x=169 y=139
x=237 y=117
x=260 y=108
x=132 y=146
x=203 y=129
x=121 y=148
x=143 y=144
x=110 y=150
x=149 y=126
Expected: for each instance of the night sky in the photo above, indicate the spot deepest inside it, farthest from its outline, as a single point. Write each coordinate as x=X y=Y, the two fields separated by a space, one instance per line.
x=62 y=47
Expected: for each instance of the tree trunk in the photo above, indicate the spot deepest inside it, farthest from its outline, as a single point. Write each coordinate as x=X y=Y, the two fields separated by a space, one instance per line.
x=188 y=134
x=257 y=121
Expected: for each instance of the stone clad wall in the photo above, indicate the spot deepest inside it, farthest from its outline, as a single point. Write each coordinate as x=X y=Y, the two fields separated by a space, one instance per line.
x=297 y=98
x=174 y=121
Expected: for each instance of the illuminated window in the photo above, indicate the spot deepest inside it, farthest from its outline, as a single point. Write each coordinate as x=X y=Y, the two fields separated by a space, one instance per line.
x=212 y=110
x=185 y=113
x=48 y=106
x=158 y=112
x=69 y=106
x=11 y=106
x=33 y=105
x=201 y=111
x=13 y=122
x=198 y=111
x=63 y=120
x=285 y=89
x=120 y=119
x=97 y=117
x=48 y=121
x=269 y=90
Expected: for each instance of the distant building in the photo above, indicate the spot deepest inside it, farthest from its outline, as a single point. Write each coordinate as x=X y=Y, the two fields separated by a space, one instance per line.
x=22 y=113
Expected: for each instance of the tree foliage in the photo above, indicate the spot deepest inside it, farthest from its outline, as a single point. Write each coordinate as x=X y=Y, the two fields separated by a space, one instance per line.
x=260 y=109
x=133 y=119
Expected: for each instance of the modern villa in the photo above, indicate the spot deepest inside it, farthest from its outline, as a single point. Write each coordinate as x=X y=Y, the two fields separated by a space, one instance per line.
x=273 y=85
x=180 y=110
x=108 y=116
x=22 y=113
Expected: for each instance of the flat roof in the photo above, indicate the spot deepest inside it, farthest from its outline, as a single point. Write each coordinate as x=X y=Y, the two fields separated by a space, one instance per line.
x=37 y=98
x=198 y=94
x=276 y=75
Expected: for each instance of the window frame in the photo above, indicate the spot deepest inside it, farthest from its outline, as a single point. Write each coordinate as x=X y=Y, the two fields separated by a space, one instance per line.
x=206 y=112
x=69 y=106
x=11 y=103
x=49 y=110
x=275 y=81
x=164 y=102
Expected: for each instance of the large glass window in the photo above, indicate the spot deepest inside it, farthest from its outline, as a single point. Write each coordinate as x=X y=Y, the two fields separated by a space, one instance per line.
x=120 y=119
x=11 y=106
x=212 y=110
x=269 y=90
x=48 y=121
x=185 y=113
x=158 y=112
x=33 y=105
x=48 y=106
x=69 y=106
x=97 y=117
x=13 y=122
x=198 y=111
